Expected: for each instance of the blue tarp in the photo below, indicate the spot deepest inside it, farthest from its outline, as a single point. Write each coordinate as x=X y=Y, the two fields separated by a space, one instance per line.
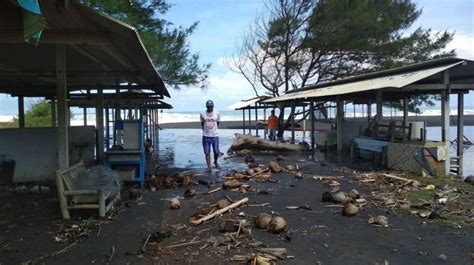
x=30 y=5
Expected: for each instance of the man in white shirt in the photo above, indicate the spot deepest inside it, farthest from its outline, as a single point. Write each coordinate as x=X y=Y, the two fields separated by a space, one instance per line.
x=209 y=121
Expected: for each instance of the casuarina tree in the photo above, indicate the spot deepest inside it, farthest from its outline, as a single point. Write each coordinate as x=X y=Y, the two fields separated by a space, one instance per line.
x=167 y=45
x=295 y=43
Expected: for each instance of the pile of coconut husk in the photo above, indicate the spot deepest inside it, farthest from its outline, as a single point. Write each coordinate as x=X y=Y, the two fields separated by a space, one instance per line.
x=172 y=180
x=423 y=197
x=230 y=233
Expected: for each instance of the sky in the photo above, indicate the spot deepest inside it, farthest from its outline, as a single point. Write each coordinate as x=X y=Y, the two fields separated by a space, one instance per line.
x=222 y=24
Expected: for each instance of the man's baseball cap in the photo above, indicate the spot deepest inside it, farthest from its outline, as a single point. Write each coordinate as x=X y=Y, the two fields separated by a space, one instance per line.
x=209 y=103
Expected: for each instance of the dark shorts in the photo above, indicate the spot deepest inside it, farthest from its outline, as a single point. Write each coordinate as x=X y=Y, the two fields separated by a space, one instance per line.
x=207 y=142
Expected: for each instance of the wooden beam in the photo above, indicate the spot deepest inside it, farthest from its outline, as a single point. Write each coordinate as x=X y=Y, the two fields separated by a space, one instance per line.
x=88 y=55
x=445 y=119
x=99 y=113
x=311 y=111
x=61 y=93
x=21 y=112
x=117 y=56
x=339 y=121
x=460 y=133
x=379 y=106
x=53 y=113
x=57 y=36
x=405 y=117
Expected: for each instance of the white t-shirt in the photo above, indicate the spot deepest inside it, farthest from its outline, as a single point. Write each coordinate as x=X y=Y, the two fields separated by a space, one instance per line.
x=210 y=120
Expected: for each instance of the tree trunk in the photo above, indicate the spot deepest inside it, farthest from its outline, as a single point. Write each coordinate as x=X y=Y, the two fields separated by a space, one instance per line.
x=249 y=142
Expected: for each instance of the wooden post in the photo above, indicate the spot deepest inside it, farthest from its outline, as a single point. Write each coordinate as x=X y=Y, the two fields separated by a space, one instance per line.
x=21 y=112
x=256 y=119
x=250 y=120
x=460 y=132
x=405 y=117
x=243 y=121
x=293 y=112
x=107 y=128
x=379 y=106
x=369 y=110
x=311 y=111
x=99 y=117
x=53 y=113
x=304 y=125
x=445 y=119
x=339 y=116
x=84 y=113
x=61 y=93
x=265 y=132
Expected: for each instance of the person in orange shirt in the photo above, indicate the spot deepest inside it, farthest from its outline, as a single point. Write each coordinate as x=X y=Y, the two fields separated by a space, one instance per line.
x=272 y=126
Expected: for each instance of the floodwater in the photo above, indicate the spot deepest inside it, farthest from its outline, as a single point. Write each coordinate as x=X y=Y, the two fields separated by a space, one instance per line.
x=182 y=148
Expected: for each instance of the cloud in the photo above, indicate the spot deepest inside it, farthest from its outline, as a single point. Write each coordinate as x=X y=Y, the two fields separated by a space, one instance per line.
x=463 y=43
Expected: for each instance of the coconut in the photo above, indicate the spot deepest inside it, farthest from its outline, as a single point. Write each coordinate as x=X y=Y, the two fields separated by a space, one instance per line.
x=187 y=181
x=299 y=174
x=274 y=167
x=290 y=167
x=381 y=220
x=231 y=184
x=228 y=226
x=340 y=197
x=175 y=204
x=223 y=203
x=350 y=210
x=249 y=159
x=327 y=197
x=277 y=225
x=188 y=193
x=354 y=194
x=250 y=171
x=263 y=220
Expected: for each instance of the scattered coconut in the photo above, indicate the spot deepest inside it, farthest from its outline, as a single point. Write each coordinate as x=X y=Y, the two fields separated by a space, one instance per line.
x=250 y=171
x=277 y=224
x=188 y=193
x=340 y=197
x=327 y=197
x=424 y=214
x=263 y=220
x=354 y=194
x=231 y=184
x=175 y=204
x=133 y=194
x=223 y=203
x=245 y=188
x=228 y=226
x=249 y=159
x=350 y=209
x=187 y=181
x=299 y=174
x=334 y=185
x=290 y=167
x=274 y=167
x=379 y=220
x=389 y=202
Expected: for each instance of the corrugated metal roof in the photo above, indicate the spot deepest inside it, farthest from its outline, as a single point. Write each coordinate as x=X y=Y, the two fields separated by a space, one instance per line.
x=398 y=80
x=245 y=103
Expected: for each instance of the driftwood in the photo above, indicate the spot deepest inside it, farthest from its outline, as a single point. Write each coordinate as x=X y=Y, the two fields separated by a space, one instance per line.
x=221 y=211
x=242 y=142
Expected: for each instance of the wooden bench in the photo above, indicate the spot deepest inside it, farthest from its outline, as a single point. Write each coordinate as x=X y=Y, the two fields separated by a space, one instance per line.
x=73 y=198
